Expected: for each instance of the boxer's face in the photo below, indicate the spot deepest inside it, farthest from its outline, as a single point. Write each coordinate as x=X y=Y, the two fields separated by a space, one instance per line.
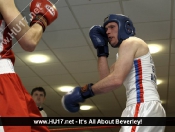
x=112 y=33
x=38 y=97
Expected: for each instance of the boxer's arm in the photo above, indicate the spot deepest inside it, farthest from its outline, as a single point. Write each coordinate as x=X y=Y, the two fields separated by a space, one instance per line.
x=121 y=69
x=103 y=67
x=28 y=37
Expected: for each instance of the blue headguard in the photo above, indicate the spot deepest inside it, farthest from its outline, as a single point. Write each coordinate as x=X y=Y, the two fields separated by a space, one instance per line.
x=125 y=26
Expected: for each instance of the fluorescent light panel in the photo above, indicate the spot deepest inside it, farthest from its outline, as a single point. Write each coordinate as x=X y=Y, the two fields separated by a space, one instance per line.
x=154 y=48
x=38 y=58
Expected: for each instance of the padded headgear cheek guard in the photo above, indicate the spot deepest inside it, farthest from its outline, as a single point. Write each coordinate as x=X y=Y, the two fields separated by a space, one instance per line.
x=125 y=26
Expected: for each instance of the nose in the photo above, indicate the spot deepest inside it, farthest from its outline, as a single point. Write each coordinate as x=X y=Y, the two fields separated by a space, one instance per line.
x=107 y=31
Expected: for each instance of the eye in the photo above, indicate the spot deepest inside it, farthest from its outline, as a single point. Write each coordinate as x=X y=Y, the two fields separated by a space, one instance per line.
x=112 y=26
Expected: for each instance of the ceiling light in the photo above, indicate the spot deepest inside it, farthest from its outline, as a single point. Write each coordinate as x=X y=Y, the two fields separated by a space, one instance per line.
x=154 y=48
x=38 y=58
x=162 y=101
x=66 y=88
x=85 y=107
x=159 y=81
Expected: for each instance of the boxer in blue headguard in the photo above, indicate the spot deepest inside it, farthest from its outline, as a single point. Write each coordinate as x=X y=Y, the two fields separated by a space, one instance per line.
x=125 y=27
x=134 y=67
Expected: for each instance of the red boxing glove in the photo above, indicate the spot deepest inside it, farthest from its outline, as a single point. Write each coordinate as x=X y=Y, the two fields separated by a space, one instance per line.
x=43 y=12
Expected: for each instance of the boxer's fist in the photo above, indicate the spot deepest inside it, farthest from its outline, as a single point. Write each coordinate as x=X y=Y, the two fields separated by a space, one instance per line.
x=71 y=100
x=43 y=12
x=99 y=39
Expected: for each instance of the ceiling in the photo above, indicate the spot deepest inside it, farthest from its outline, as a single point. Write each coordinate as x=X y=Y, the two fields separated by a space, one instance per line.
x=73 y=59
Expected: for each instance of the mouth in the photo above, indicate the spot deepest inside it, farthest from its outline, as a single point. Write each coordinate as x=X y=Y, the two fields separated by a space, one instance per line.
x=110 y=39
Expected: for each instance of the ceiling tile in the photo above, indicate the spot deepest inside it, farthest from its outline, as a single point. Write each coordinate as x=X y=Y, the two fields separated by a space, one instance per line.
x=85 y=13
x=111 y=61
x=18 y=62
x=173 y=10
x=16 y=47
x=164 y=82
x=171 y=104
x=24 y=71
x=172 y=71
x=65 y=38
x=24 y=57
x=173 y=59
x=84 y=2
x=161 y=59
x=153 y=30
x=51 y=95
x=93 y=112
x=85 y=78
x=32 y=82
x=171 y=84
x=49 y=69
x=173 y=46
x=74 y=54
x=65 y=20
x=162 y=90
x=164 y=44
x=147 y=10
x=24 y=5
x=173 y=28
x=162 y=71
x=59 y=3
x=58 y=79
x=86 y=66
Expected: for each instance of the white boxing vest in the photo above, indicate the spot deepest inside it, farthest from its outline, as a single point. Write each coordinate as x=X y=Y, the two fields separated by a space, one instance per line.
x=140 y=83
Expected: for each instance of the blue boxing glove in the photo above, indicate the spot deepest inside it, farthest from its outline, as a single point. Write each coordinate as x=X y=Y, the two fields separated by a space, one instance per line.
x=99 y=39
x=71 y=100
